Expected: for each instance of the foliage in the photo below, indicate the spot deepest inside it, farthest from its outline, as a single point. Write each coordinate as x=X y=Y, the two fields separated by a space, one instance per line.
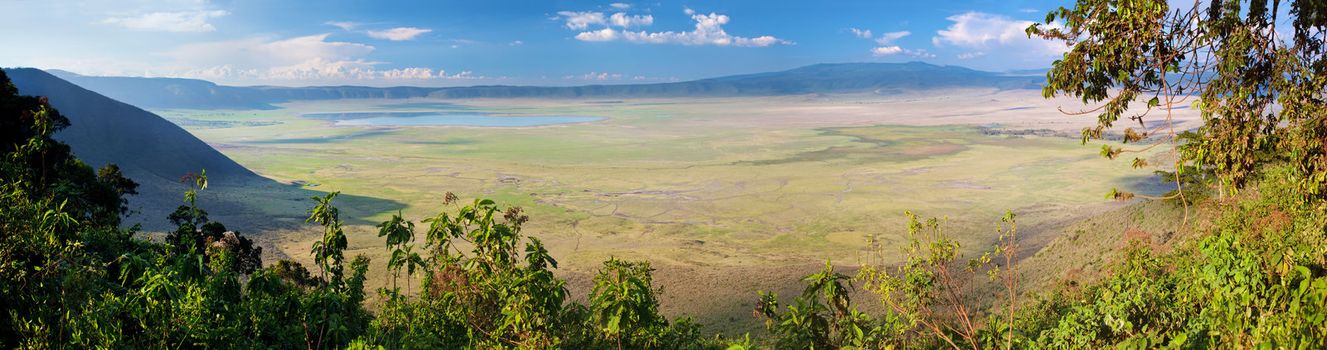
x=1254 y=280
x=73 y=278
x=486 y=285
x=1259 y=92
x=1252 y=271
x=822 y=317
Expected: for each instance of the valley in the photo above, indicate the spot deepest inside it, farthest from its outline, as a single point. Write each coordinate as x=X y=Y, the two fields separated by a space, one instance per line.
x=725 y=196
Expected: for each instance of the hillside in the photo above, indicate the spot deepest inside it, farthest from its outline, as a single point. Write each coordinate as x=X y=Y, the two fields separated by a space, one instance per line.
x=820 y=78
x=157 y=153
x=104 y=130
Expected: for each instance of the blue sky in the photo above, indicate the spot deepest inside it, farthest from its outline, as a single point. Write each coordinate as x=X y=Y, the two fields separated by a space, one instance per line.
x=449 y=43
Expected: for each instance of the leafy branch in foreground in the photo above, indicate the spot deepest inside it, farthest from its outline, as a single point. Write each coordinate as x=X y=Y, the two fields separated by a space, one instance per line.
x=1259 y=92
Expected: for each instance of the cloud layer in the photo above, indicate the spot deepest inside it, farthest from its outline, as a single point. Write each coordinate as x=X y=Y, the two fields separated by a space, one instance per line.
x=708 y=30
x=398 y=34
x=182 y=21
x=305 y=58
x=983 y=32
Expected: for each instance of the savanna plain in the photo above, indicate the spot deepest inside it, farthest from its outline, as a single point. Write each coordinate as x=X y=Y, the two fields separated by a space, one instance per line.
x=725 y=196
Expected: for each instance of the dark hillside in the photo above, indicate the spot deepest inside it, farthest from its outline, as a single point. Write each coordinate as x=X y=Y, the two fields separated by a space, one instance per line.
x=156 y=153
x=144 y=145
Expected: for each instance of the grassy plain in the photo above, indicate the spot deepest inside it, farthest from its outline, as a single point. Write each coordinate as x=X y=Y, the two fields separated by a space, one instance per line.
x=725 y=196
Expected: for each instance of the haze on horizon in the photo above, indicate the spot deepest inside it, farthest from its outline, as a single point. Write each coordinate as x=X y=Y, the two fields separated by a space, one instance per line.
x=456 y=43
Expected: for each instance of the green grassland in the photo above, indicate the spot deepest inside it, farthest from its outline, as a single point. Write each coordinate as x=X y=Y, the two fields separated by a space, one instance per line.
x=685 y=184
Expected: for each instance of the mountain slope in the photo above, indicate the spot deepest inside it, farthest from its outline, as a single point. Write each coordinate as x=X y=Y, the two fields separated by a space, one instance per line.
x=103 y=130
x=156 y=153
x=150 y=150
x=820 y=78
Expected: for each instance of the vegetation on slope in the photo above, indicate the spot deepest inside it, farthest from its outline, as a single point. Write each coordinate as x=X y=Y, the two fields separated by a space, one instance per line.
x=1250 y=271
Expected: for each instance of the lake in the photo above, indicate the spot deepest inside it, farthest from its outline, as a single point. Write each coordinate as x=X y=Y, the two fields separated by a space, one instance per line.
x=444 y=119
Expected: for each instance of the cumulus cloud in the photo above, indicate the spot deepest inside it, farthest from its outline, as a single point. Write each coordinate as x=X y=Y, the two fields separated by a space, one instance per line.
x=708 y=31
x=620 y=5
x=889 y=38
x=976 y=29
x=576 y=20
x=398 y=34
x=887 y=46
x=625 y=21
x=342 y=24
x=896 y=50
x=408 y=73
x=982 y=30
x=861 y=33
x=606 y=34
x=999 y=36
x=516 y=43
x=462 y=75
x=886 y=50
x=183 y=21
x=581 y=20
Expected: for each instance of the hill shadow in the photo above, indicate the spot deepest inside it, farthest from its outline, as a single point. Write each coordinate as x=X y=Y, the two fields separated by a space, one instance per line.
x=252 y=205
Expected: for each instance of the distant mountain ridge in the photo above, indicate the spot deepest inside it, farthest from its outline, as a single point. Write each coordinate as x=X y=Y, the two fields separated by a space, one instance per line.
x=813 y=79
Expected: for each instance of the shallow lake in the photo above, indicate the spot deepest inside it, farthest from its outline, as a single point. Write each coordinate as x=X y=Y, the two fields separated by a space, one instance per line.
x=444 y=119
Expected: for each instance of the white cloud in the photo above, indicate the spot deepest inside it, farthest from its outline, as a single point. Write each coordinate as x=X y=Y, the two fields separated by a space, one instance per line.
x=895 y=50
x=463 y=75
x=398 y=34
x=889 y=38
x=620 y=6
x=318 y=68
x=606 y=34
x=970 y=55
x=984 y=32
x=408 y=73
x=623 y=20
x=688 y=11
x=708 y=31
x=258 y=52
x=300 y=59
x=516 y=43
x=886 y=50
x=595 y=76
x=976 y=29
x=342 y=24
x=861 y=33
x=183 y=21
x=581 y=20
x=886 y=42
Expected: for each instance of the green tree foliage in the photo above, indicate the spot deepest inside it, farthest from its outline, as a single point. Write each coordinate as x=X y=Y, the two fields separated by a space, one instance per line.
x=72 y=278
x=1255 y=279
x=1250 y=272
x=1259 y=91
x=624 y=312
x=822 y=317
x=486 y=285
